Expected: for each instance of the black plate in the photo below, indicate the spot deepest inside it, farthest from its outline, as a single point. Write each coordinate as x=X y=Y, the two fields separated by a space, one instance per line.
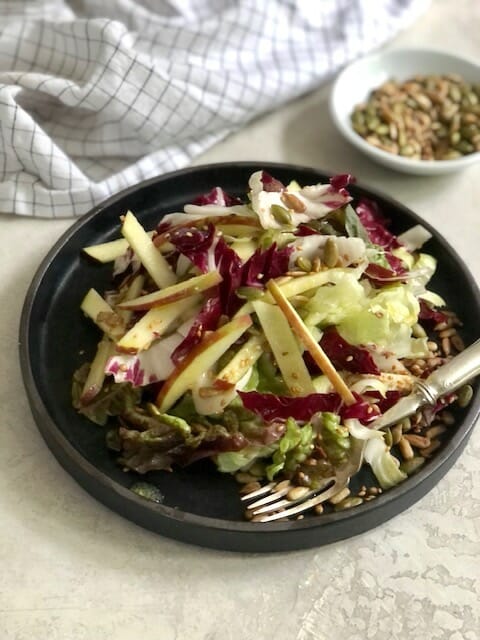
x=200 y=506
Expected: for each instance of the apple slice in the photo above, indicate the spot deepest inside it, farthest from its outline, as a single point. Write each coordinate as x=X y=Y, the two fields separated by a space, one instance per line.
x=107 y=251
x=153 y=325
x=148 y=254
x=244 y=249
x=300 y=284
x=175 y=292
x=241 y=362
x=96 y=373
x=95 y=307
x=316 y=351
x=240 y=222
x=291 y=286
x=133 y=291
x=238 y=230
x=285 y=348
x=203 y=356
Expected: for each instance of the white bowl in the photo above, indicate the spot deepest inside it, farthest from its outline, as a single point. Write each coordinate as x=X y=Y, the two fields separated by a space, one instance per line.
x=354 y=84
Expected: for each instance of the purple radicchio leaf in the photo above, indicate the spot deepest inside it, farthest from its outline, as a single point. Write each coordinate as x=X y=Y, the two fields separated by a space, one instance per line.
x=206 y=320
x=262 y=266
x=379 y=275
x=270 y=183
x=375 y=224
x=429 y=314
x=217 y=196
x=344 y=355
x=272 y=407
x=340 y=182
x=195 y=244
x=386 y=401
x=229 y=265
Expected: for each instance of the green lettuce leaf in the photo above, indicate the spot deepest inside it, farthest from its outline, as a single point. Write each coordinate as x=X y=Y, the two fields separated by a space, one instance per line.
x=384 y=465
x=232 y=461
x=386 y=320
x=293 y=448
x=332 y=305
x=335 y=437
x=354 y=226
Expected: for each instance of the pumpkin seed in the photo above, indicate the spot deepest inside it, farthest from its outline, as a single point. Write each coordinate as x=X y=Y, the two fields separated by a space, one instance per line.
x=348 y=503
x=280 y=214
x=465 y=395
x=410 y=466
x=330 y=253
x=428 y=117
x=303 y=263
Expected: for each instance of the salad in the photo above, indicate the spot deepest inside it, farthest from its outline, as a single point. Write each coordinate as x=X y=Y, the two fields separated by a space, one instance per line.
x=264 y=334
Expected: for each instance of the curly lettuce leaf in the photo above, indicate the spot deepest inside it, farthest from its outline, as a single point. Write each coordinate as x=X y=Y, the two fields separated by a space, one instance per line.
x=233 y=461
x=386 y=320
x=333 y=304
x=335 y=437
x=293 y=448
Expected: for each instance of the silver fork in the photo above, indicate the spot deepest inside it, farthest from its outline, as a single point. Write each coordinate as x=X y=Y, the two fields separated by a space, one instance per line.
x=272 y=501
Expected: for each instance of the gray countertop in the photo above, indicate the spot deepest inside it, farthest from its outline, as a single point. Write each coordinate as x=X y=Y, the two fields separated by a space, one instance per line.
x=72 y=569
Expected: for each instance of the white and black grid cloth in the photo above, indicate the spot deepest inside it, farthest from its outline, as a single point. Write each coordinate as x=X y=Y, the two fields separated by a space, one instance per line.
x=98 y=95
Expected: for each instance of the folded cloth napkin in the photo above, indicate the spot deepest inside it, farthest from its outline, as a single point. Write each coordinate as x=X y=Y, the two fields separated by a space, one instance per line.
x=96 y=96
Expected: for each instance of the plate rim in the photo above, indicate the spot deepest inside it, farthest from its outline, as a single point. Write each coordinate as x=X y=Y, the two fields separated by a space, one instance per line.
x=56 y=441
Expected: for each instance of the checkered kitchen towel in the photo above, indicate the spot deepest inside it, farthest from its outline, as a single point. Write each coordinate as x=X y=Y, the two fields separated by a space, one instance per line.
x=98 y=95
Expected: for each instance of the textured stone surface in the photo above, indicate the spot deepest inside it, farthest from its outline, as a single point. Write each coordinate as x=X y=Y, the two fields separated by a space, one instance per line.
x=73 y=570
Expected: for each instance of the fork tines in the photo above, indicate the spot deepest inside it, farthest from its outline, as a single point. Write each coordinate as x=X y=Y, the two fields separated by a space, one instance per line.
x=278 y=501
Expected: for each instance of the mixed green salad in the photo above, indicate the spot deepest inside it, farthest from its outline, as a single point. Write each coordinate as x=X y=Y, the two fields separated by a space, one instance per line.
x=261 y=333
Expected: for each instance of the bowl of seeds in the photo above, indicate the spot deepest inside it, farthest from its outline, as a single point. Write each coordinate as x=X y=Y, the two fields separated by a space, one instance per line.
x=413 y=110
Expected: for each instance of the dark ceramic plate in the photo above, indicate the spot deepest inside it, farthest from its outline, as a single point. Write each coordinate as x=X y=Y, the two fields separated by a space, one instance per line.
x=200 y=506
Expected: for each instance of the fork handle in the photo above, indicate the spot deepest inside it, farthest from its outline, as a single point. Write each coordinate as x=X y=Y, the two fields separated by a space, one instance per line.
x=457 y=372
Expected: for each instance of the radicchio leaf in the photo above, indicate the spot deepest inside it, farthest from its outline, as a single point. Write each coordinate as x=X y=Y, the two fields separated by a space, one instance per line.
x=347 y=356
x=229 y=265
x=376 y=224
x=255 y=272
x=396 y=264
x=380 y=276
x=361 y=410
x=429 y=412
x=304 y=230
x=194 y=244
x=386 y=401
x=217 y=196
x=262 y=266
x=340 y=183
x=206 y=320
x=430 y=314
x=272 y=407
x=270 y=183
